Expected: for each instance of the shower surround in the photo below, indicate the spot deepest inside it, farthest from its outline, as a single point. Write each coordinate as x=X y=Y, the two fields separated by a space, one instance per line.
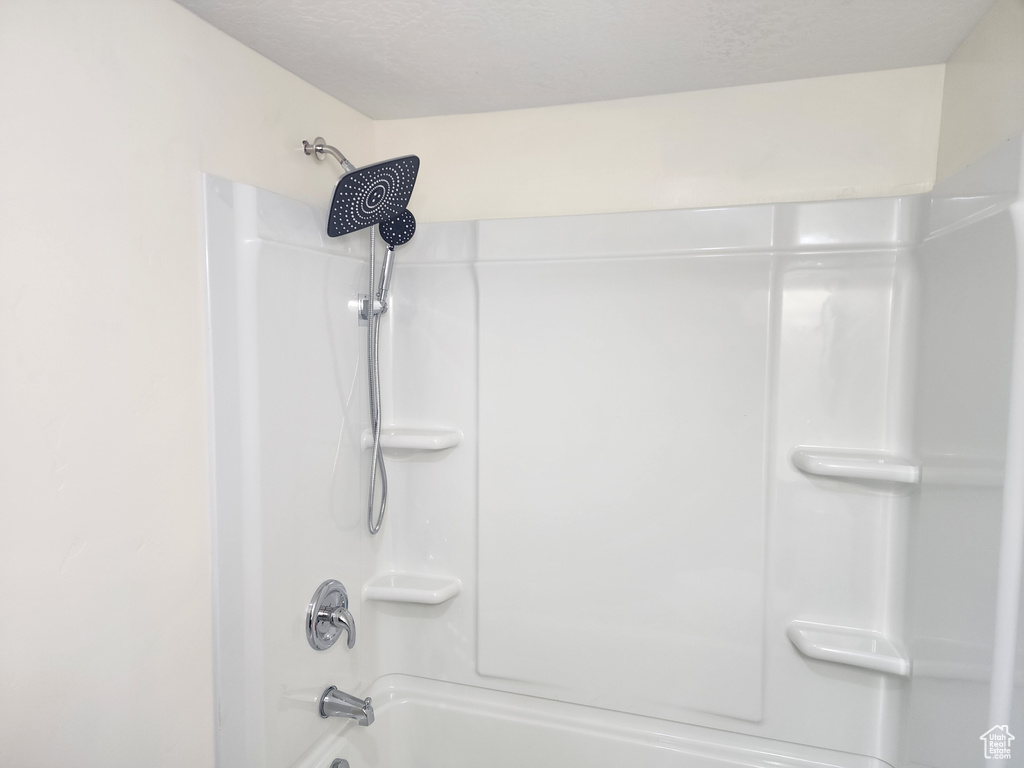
x=690 y=488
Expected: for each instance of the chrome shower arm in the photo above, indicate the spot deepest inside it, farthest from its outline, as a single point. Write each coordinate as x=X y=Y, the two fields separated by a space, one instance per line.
x=318 y=148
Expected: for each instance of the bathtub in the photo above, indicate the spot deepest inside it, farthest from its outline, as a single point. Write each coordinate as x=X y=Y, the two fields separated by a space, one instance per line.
x=429 y=724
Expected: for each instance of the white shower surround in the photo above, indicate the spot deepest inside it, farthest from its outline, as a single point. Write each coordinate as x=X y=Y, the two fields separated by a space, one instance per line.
x=762 y=328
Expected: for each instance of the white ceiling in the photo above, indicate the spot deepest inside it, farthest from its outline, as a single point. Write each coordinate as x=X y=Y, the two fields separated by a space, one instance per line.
x=411 y=58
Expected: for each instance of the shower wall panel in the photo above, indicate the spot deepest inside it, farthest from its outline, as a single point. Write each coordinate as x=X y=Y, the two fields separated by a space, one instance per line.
x=622 y=417
x=429 y=370
x=967 y=273
x=287 y=411
x=623 y=516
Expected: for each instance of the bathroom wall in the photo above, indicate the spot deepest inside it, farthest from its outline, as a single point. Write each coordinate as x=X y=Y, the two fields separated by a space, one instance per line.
x=983 y=95
x=863 y=135
x=110 y=110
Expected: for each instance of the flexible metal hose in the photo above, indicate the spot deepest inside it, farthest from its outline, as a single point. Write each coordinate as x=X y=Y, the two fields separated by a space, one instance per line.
x=374 y=521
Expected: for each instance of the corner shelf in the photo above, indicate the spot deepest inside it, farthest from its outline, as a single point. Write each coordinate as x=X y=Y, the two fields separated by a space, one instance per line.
x=864 y=648
x=396 y=587
x=853 y=464
x=406 y=441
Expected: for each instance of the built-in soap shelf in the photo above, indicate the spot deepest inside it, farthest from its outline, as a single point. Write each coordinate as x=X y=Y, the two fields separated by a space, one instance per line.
x=398 y=587
x=407 y=441
x=854 y=464
x=864 y=648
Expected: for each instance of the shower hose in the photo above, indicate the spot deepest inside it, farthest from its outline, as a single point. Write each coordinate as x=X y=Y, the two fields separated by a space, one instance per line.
x=374 y=519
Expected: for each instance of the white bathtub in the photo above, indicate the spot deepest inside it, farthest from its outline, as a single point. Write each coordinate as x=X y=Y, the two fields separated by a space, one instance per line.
x=427 y=724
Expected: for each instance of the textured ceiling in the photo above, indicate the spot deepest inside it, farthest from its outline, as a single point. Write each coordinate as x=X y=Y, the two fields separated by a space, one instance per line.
x=411 y=58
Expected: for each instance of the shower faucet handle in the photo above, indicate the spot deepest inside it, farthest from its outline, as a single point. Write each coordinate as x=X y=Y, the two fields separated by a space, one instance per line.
x=342 y=620
x=327 y=616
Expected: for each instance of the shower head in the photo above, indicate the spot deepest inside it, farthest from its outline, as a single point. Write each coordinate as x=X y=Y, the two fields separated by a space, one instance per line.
x=399 y=230
x=373 y=194
x=396 y=231
x=366 y=196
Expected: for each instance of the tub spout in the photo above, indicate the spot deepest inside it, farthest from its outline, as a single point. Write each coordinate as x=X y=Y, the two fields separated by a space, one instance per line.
x=335 y=703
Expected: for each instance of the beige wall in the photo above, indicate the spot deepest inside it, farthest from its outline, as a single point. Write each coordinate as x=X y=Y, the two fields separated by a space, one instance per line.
x=863 y=135
x=983 y=100
x=109 y=111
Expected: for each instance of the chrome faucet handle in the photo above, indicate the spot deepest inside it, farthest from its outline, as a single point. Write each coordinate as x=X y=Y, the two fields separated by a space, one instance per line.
x=341 y=619
x=328 y=616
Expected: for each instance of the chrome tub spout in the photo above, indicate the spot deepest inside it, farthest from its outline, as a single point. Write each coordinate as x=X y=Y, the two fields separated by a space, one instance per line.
x=335 y=703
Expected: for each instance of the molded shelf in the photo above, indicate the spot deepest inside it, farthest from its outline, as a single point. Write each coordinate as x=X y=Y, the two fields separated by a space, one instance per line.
x=411 y=588
x=863 y=648
x=855 y=464
x=408 y=440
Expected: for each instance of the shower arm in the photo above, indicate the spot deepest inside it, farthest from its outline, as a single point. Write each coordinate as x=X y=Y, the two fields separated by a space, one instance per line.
x=318 y=148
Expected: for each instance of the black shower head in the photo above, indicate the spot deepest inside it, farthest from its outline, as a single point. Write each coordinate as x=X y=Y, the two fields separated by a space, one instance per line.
x=399 y=230
x=371 y=195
